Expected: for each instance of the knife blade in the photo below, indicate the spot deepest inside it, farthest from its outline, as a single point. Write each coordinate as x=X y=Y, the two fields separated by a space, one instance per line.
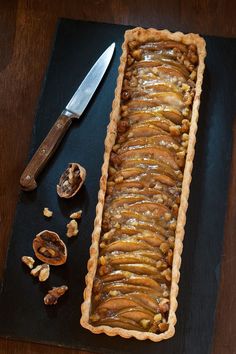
x=73 y=110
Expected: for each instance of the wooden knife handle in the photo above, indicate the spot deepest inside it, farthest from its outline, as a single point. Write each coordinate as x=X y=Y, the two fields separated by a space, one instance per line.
x=44 y=152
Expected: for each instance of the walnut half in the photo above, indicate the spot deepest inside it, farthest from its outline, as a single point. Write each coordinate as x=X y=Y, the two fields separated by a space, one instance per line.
x=71 y=180
x=54 y=294
x=49 y=248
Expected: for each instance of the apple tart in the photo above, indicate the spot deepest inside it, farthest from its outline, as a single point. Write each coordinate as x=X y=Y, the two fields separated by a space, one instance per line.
x=133 y=270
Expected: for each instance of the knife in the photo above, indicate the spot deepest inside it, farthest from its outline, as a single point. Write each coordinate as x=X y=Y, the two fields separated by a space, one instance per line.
x=74 y=109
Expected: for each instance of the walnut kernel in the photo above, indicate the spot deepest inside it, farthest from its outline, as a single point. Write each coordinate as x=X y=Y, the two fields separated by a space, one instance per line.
x=72 y=228
x=48 y=213
x=29 y=261
x=54 y=294
x=42 y=271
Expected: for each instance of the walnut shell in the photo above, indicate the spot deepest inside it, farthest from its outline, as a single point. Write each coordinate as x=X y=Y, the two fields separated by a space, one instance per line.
x=49 y=248
x=71 y=180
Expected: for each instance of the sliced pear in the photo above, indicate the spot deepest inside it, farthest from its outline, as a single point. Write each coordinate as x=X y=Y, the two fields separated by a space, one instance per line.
x=173 y=114
x=129 y=288
x=126 y=246
x=120 y=200
x=144 y=130
x=158 y=120
x=143 y=281
x=158 y=98
x=116 y=303
x=115 y=276
x=129 y=258
x=128 y=184
x=136 y=314
x=169 y=44
x=128 y=172
x=138 y=268
x=120 y=323
x=169 y=72
x=146 y=301
x=156 y=152
x=162 y=86
x=153 y=254
x=160 y=139
x=144 y=206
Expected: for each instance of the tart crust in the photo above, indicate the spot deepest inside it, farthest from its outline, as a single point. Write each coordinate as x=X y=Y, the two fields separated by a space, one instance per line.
x=144 y=35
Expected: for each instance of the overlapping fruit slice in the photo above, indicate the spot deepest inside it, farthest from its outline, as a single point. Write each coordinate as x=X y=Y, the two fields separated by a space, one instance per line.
x=132 y=284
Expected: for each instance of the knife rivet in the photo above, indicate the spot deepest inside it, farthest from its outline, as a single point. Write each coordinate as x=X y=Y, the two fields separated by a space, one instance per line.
x=27 y=177
x=43 y=151
x=59 y=125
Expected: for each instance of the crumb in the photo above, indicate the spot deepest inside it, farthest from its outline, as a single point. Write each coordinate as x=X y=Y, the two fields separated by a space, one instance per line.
x=76 y=215
x=48 y=213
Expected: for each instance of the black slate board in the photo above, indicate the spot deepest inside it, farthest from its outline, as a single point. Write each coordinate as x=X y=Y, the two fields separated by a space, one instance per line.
x=22 y=313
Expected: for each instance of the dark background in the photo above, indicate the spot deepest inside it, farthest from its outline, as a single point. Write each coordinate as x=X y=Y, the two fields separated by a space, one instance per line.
x=27 y=30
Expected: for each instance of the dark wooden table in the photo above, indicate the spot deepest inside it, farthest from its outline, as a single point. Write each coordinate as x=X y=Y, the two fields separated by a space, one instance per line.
x=27 y=28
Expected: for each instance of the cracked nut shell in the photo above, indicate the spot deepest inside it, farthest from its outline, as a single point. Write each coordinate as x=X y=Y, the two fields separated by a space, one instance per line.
x=71 y=180
x=49 y=248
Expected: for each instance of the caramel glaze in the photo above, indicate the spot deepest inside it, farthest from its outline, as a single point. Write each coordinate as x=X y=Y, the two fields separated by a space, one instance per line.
x=132 y=284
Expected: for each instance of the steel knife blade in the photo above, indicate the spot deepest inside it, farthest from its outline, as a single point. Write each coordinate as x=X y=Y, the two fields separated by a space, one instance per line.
x=73 y=109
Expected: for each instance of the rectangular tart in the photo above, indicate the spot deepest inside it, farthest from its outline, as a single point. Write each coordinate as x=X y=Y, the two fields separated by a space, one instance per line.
x=135 y=256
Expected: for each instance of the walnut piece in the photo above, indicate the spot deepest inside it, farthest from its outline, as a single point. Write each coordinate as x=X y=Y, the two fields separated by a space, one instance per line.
x=76 y=215
x=49 y=248
x=48 y=213
x=54 y=294
x=29 y=261
x=72 y=228
x=71 y=180
x=42 y=271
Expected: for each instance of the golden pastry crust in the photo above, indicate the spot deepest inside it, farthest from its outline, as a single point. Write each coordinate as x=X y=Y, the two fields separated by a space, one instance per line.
x=144 y=35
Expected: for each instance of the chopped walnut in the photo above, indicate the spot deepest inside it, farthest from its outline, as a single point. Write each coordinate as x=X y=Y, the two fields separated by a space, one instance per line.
x=76 y=215
x=145 y=323
x=72 y=228
x=48 y=213
x=29 y=261
x=42 y=271
x=54 y=294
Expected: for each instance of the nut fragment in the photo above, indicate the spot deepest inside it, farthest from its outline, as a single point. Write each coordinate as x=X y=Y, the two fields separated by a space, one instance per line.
x=29 y=261
x=76 y=215
x=48 y=213
x=175 y=130
x=42 y=271
x=72 y=228
x=49 y=248
x=54 y=294
x=71 y=180
x=145 y=323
